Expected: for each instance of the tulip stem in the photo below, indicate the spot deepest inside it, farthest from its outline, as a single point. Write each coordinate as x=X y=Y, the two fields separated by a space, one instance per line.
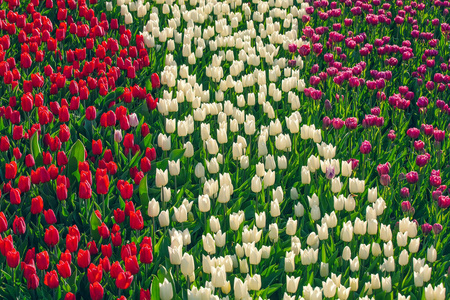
x=153 y=235
x=103 y=205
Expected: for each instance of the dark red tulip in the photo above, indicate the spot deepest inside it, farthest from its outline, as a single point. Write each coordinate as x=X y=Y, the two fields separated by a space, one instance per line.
x=51 y=237
x=83 y=258
x=14 y=196
x=42 y=260
x=4 y=222
x=96 y=291
x=124 y=280
x=94 y=273
x=85 y=191
x=11 y=170
x=51 y=279
x=72 y=243
x=37 y=204
x=19 y=226
x=13 y=258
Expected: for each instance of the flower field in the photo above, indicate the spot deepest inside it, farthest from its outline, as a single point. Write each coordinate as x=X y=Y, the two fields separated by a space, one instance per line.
x=204 y=149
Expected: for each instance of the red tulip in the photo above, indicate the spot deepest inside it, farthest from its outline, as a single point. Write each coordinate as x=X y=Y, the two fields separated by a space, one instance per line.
x=24 y=184
x=11 y=170
x=102 y=185
x=69 y=296
x=124 y=280
x=51 y=279
x=51 y=237
x=116 y=269
x=13 y=258
x=42 y=260
x=96 y=291
x=132 y=265
x=103 y=231
x=128 y=141
x=66 y=256
x=146 y=164
x=92 y=247
x=83 y=258
x=3 y=222
x=444 y=202
x=136 y=220
x=72 y=243
x=25 y=60
x=106 y=250
x=91 y=113
x=32 y=281
x=116 y=239
x=85 y=191
x=126 y=191
x=4 y=144
x=156 y=84
x=146 y=254
x=61 y=158
x=144 y=294
x=19 y=226
x=94 y=273
x=37 y=204
x=61 y=192
x=97 y=147
x=14 y=196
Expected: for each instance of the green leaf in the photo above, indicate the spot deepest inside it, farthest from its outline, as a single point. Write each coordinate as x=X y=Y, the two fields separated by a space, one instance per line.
x=95 y=223
x=143 y=193
x=76 y=155
x=36 y=149
x=176 y=154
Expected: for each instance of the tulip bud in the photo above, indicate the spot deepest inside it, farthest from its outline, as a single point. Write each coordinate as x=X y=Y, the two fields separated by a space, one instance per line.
x=153 y=208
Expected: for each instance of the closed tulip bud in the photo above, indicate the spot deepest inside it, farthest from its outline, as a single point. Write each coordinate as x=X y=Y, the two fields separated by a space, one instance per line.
x=256 y=184
x=350 y=203
x=260 y=219
x=346 y=253
x=343 y=292
x=336 y=185
x=324 y=269
x=204 y=203
x=164 y=218
x=372 y=195
x=153 y=208
x=273 y=232
x=431 y=254
x=414 y=245
x=356 y=186
x=354 y=264
x=187 y=264
x=388 y=249
x=289 y=262
x=161 y=178
x=294 y=193
x=165 y=290
x=291 y=226
x=347 y=232
x=274 y=209
x=315 y=213
x=306 y=176
x=385 y=233
x=174 y=167
x=364 y=251
x=418 y=280
x=376 y=249
x=339 y=202
x=386 y=284
x=299 y=210
x=292 y=284
x=214 y=224
x=329 y=288
x=322 y=231
x=403 y=258
x=189 y=149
